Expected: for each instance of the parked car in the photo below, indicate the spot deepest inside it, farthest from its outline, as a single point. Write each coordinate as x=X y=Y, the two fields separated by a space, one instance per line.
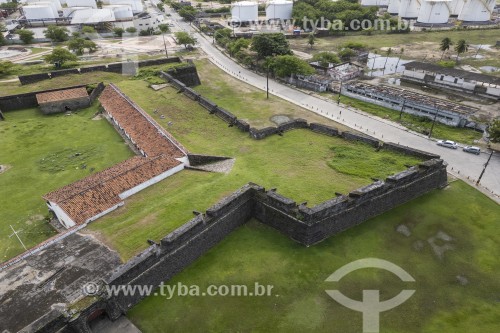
x=447 y=144
x=472 y=150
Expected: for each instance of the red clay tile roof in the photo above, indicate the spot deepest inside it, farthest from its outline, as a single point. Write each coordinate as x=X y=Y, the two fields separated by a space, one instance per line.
x=146 y=133
x=99 y=192
x=61 y=95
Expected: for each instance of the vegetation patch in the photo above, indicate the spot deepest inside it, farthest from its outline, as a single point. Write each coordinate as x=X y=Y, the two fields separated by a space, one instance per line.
x=69 y=158
x=351 y=159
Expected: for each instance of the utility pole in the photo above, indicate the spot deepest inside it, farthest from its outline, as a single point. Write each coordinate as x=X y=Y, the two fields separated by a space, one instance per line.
x=402 y=108
x=484 y=169
x=267 y=82
x=16 y=234
x=433 y=121
x=340 y=92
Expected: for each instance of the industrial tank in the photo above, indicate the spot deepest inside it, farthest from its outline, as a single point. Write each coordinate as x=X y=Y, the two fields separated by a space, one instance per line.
x=434 y=12
x=56 y=3
x=82 y=3
x=477 y=10
x=39 y=11
x=456 y=7
x=409 y=9
x=136 y=5
x=244 y=11
x=121 y=11
x=393 y=7
x=279 y=9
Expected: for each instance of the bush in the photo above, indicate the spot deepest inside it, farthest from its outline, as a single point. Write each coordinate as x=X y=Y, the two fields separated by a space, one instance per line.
x=131 y=30
x=447 y=64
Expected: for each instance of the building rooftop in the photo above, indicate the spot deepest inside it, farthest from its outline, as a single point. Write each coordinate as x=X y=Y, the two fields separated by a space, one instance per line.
x=61 y=95
x=408 y=95
x=423 y=66
x=101 y=191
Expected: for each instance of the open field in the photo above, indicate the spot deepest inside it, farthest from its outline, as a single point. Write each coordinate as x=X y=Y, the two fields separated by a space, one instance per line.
x=257 y=253
x=300 y=164
x=43 y=153
x=247 y=102
x=417 y=124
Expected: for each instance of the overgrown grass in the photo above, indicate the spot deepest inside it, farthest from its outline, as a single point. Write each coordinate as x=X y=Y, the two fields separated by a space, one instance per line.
x=247 y=102
x=351 y=159
x=257 y=253
x=417 y=124
x=43 y=153
x=297 y=164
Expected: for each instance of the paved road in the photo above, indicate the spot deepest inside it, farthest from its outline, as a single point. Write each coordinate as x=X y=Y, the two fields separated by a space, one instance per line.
x=463 y=165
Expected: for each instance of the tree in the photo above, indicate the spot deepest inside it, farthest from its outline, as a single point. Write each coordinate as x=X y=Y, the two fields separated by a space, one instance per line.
x=2 y=38
x=188 y=13
x=56 y=34
x=6 y=68
x=59 y=56
x=161 y=7
x=286 y=65
x=494 y=131
x=270 y=44
x=26 y=35
x=311 y=39
x=118 y=32
x=131 y=30
x=388 y=54
x=235 y=46
x=78 y=45
x=445 y=45
x=325 y=58
x=164 y=28
x=184 y=38
x=346 y=54
x=461 y=47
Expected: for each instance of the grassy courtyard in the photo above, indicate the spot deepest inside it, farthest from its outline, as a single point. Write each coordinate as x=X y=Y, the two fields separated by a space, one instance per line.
x=256 y=253
x=303 y=166
x=43 y=153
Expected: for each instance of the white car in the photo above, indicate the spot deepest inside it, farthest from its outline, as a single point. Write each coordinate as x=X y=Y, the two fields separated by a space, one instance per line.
x=447 y=144
x=472 y=150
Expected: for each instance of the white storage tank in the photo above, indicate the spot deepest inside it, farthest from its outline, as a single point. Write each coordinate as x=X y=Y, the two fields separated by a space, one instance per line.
x=136 y=5
x=279 y=9
x=377 y=3
x=121 y=11
x=409 y=9
x=56 y=3
x=456 y=7
x=68 y=11
x=393 y=7
x=82 y=3
x=434 y=12
x=244 y=11
x=477 y=10
x=40 y=11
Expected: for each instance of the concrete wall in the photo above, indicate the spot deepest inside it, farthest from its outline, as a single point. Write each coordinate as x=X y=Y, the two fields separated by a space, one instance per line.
x=128 y=68
x=66 y=105
x=361 y=137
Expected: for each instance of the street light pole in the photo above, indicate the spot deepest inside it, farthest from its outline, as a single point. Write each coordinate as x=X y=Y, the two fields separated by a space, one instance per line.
x=165 y=44
x=267 y=82
x=340 y=92
x=402 y=108
x=484 y=169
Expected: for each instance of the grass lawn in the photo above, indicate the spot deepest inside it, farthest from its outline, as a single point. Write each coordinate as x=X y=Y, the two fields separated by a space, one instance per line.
x=39 y=152
x=257 y=253
x=417 y=124
x=247 y=102
x=301 y=164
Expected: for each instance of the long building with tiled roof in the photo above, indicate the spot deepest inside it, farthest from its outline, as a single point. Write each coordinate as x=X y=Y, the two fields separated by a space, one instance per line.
x=98 y=194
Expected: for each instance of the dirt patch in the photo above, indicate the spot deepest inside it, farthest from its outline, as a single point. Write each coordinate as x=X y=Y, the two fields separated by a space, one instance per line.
x=98 y=117
x=4 y=168
x=280 y=119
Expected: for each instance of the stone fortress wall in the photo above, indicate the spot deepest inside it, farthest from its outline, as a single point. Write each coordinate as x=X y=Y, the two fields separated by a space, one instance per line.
x=305 y=225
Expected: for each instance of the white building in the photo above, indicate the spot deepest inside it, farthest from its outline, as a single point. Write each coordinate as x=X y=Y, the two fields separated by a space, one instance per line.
x=409 y=9
x=244 y=11
x=136 y=5
x=92 y=16
x=40 y=11
x=456 y=7
x=393 y=7
x=82 y=3
x=279 y=10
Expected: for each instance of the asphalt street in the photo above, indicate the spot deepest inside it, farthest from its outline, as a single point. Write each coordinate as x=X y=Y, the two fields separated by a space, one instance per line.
x=463 y=165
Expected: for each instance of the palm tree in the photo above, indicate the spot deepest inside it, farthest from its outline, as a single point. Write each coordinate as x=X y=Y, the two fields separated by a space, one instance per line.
x=445 y=46
x=461 y=47
x=389 y=52
x=399 y=59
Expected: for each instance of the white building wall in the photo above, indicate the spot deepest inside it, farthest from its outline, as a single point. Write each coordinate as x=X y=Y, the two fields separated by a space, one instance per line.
x=151 y=181
x=493 y=91
x=393 y=7
x=413 y=74
x=107 y=211
x=82 y=3
x=57 y=3
x=61 y=215
x=456 y=7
